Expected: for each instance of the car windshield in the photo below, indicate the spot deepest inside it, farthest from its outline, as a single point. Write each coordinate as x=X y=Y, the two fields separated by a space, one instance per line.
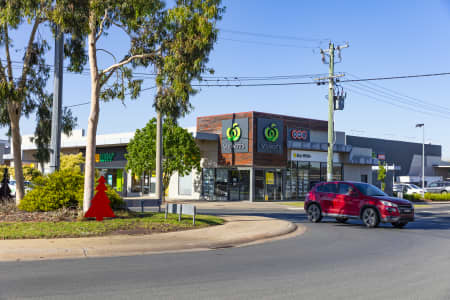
x=369 y=190
x=413 y=186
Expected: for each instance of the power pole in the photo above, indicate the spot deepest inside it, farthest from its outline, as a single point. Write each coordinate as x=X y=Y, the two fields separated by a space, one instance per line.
x=55 y=142
x=331 y=102
x=159 y=151
x=330 y=114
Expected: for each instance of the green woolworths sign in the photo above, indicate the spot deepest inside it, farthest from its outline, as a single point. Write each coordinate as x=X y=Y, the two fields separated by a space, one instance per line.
x=235 y=136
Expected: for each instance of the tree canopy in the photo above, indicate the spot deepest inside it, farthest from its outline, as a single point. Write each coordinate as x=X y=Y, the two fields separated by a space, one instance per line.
x=180 y=152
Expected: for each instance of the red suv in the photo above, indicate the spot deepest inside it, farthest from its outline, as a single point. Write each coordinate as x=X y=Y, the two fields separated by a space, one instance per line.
x=344 y=200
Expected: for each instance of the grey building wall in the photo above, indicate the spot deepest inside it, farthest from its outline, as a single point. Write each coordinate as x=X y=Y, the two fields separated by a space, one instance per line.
x=401 y=153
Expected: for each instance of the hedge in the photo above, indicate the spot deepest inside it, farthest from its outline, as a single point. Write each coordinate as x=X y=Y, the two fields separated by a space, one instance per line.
x=428 y=196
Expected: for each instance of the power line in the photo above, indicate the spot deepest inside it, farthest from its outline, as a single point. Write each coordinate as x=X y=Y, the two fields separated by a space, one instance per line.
x=272 y=36
x=397 y=99
x=268 y=44
x=397 y=94
x=396 y=77
x=127 y=94
x=396 y=104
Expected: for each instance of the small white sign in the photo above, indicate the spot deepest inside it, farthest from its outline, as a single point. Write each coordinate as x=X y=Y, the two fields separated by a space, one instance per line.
x=313 y=156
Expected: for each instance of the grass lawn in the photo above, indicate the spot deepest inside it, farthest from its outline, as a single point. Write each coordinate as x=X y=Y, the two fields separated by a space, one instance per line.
x=125 y=223
x=294 y=203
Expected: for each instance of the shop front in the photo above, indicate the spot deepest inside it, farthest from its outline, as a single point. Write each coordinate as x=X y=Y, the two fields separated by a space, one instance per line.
x=267 y=157
x=111 y=162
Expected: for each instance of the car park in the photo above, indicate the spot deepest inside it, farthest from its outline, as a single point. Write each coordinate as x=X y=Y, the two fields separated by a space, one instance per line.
x=356 y=200
x=407 y=188
x=12 y=186
x=438 y=187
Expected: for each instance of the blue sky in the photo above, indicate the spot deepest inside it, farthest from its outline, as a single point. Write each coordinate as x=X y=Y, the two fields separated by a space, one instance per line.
x=386 y=38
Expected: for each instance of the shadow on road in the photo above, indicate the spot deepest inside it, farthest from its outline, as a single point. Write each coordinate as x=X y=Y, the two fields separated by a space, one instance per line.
x=423 y=221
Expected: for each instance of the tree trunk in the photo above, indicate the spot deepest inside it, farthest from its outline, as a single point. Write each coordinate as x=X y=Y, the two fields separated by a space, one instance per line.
x=14 y=116
x=89 y=174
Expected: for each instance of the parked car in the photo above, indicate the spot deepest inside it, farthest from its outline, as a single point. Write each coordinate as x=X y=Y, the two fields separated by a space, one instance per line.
x=438 y=187
x=12 y=186
x=345 y=199
x=407 y=188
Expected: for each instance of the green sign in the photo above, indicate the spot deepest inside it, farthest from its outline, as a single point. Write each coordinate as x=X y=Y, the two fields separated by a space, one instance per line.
x=104 y=157
x=234 y=133
x=271 y=133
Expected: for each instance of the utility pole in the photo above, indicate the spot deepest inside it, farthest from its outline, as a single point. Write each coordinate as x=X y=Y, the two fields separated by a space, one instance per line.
x=331 y=102
x=423 y=156
x=159 y=150
x=55 y=142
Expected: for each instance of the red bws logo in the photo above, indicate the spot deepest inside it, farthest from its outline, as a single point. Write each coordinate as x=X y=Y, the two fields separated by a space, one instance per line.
x=300 y=134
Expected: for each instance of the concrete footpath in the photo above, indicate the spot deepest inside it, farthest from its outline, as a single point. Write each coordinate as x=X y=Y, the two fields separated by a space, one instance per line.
x=237 y=231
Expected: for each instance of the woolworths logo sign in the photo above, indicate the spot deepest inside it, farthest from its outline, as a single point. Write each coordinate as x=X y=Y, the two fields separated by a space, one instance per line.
x=235 y=136
x=271 y=133
x=270 y=136
x=234 y=133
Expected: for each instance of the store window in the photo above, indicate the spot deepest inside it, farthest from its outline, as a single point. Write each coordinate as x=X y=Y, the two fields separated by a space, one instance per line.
x=144 y=184
x=225 y=184
x=185 y=185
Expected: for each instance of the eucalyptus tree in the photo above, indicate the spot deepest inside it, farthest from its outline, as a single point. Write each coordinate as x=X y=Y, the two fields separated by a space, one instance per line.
x=174 y=41
x=23 y=83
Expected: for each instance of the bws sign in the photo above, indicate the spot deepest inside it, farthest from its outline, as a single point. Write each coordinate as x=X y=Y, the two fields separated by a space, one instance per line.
x=270 y=136
x=235 y=136
x=298 y=134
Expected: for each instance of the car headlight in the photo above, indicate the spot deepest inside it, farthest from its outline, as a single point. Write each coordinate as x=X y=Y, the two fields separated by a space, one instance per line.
x=387 y=203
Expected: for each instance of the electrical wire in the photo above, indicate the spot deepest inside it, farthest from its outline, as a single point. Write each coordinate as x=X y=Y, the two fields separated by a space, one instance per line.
x=272 y=36
x=396 y=104
x=398 y=94
x=268 y=44
x=397 y=99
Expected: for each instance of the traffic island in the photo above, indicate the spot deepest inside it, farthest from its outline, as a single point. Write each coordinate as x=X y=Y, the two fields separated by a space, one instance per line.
x=236 y=231
x=45 y=226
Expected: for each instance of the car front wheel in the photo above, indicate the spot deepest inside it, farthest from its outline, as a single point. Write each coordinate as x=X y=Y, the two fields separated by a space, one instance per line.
x=444 y=192
x=314 y=213
x=370 y=217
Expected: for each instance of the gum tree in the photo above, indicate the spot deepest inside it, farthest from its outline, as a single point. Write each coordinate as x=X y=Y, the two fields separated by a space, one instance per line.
x=22 y=83
x=175 y=41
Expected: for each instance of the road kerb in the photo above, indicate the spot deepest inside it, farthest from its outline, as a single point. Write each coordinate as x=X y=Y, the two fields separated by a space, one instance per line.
x=238 y=230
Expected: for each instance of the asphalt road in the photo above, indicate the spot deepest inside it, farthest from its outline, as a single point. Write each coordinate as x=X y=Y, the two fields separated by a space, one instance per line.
x=330 y=261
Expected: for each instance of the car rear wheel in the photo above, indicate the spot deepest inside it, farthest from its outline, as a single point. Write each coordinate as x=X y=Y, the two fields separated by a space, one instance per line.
x=399 y=224
x=370 y=217
x=444 y=192
x=314 y=213
x=342 y=220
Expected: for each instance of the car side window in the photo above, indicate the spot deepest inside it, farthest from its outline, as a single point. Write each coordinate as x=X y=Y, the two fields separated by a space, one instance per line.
x=330 y=188
x=320 y=188
x=345 y=189
x=432 y=185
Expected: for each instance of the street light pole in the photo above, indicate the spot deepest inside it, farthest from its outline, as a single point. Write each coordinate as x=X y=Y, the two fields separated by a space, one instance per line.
x=423 y=156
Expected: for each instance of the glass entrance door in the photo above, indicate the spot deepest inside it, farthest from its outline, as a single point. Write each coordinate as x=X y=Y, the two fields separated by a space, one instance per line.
x=274 y=185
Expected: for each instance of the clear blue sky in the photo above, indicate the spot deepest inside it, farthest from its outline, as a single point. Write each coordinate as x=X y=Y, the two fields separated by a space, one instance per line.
x=386 y=38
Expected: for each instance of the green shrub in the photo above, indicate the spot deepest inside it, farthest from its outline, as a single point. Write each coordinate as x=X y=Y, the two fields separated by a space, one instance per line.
x=60 y=189
x=116 y=201
x=428 y=196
